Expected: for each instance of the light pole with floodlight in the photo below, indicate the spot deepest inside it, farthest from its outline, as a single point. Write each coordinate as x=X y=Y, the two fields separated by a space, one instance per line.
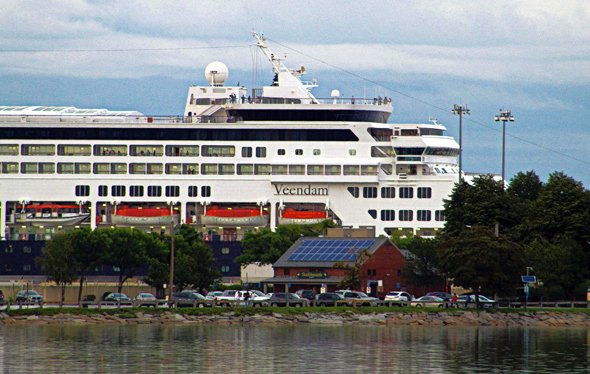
x=505 y=116
x=460 y=110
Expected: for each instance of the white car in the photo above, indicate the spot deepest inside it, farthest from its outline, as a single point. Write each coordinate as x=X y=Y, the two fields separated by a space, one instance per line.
x=398 y=296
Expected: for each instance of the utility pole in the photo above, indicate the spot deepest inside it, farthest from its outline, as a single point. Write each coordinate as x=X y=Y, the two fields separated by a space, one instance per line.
x=460 y=110
x=171 y=284
x=505 y=116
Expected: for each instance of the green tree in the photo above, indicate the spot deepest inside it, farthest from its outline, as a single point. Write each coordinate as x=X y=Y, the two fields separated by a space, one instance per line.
x=127 y=251
x=58 y=262
x=89 y=252
x=478 y=260
x=421 y=266
x=352 y=273
x=194 y=263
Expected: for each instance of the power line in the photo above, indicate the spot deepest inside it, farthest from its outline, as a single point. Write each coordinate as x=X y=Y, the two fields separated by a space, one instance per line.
x=116 y=50
x=440 y=108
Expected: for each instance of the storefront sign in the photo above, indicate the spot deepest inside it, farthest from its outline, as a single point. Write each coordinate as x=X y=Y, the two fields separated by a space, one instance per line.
x=312 y=275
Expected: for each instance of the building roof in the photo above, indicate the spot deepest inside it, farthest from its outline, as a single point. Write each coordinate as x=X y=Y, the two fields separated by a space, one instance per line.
x=325 y=252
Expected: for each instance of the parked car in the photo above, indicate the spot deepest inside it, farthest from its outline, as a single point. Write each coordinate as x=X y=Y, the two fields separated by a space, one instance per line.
x=120 y=298
x=359 y=298
x=428 y=301
x=30 y=296
x=485 y=301
x=443 y=295
x=189 y=298
x=280 y=299
x=213 y=295
x=400 y=296
x=145 y=298
x=305 y=294
x=327 y=299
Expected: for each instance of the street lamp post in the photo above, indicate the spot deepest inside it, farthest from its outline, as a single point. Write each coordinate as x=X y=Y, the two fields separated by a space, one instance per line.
x=505 y=116
x=171 y=284
x=460 y=110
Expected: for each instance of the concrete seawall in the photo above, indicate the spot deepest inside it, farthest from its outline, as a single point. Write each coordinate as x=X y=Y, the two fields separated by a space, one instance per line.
x=466 y=318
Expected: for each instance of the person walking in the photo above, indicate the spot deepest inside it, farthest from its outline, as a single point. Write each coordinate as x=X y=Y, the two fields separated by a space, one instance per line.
x=454 y=300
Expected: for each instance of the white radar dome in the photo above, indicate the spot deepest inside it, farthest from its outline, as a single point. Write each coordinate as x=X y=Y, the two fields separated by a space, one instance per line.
x=216 y=73
x=335 y=93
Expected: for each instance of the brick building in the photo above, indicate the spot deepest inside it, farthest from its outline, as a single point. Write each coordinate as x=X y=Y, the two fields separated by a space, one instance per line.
x=309 y=264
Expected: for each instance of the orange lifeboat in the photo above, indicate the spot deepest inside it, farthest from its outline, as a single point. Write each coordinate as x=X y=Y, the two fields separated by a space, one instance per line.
x=233 y=217
x=292 y=216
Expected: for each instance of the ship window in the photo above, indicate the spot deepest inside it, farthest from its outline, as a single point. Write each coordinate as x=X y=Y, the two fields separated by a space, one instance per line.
x=136 y=191
x=441 y=151
x=227 y=169
x=118 y=190
x=351 y=169
x=387 y=192
x=369 y=170
x=137 y=168
x=245 y=169
x=82 y=190
x=332 y=170
x=118 y=168
x=299 y=152
x=354 y=191
x=82 y=167
x=74 y=150
x=27 y=267
x=317 y=152
x=409 y=132
x=46 y=168
x=8 y=149
x=260 y=152
x=427 y=131
x=439 y=215
x=225 y=269
x=246 y=151
x=10 y=167
x=296 y=169
x=190 y=168
x=154 y=191
x=29 y=168
x=182 y=150
x=424 y=192
x=370 y=192
x=155 y=168
x=193 y=191
x=281 y=152
x=382 y=151
x=65 y=168
x=372 y=213
x=352 y=152
x=388 y=215
x=103 y=190
x=218 y=150
x=315 y=169
x=380 y=135
x=423 y=215
x=173 y=169
x=172 y=191
x=262 y=169
x=279 y=169
x=27 y=250
x=406 y=215
x=38 y=150
x=416 y=151
x=146 y=150
x=406 y=192
x=209 y=169
x=102 y=168
x=206 y=191
x=110 y=150
x=225 y=251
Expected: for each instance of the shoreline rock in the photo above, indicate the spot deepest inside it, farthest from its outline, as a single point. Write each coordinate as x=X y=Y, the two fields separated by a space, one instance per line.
x=447 y=318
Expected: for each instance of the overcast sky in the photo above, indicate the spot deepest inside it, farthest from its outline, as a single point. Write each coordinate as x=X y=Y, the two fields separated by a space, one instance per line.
x=532 y=57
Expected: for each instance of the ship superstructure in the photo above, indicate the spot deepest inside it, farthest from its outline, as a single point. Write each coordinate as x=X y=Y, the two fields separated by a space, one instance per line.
x=236 y=160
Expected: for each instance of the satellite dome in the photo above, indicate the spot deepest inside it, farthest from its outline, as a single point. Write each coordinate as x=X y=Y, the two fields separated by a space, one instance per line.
x=335 y=93
x=216 y=73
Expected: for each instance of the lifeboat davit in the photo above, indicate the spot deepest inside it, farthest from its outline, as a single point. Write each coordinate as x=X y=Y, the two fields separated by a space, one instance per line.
x=52 y=214
x=140 y=216
x=292 y=216
x=233 y=217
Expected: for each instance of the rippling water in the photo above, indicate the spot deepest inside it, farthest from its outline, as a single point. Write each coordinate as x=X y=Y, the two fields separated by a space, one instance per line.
x=291 y=349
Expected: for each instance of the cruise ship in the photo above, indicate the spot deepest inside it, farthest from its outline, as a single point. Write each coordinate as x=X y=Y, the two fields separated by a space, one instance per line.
x=236 y=160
